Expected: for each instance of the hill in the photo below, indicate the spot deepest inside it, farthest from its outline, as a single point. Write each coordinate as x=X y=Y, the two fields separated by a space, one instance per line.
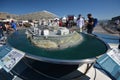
x=4 y=15
x=36 y=15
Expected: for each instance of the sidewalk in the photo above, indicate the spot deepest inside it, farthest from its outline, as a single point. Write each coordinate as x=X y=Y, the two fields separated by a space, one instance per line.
x=105 y=30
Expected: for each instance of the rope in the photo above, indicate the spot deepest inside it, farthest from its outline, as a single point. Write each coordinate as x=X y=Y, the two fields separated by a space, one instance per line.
x=95 y=74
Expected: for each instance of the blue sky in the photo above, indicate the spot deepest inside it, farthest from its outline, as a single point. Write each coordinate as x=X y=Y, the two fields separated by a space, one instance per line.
x=101 y=9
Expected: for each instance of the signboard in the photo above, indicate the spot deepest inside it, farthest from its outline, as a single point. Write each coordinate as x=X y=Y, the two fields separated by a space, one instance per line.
x=109 y=63
x=11 y=58
x=115 y=55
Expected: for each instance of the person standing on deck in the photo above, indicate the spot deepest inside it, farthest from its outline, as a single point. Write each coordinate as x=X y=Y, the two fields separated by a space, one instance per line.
x=80 y=22
x=90 y=24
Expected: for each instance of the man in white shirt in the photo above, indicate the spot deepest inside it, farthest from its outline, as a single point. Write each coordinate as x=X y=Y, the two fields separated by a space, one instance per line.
x=80 y=22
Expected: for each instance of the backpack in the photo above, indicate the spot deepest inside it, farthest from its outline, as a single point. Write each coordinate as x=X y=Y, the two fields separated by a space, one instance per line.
x=95 y=22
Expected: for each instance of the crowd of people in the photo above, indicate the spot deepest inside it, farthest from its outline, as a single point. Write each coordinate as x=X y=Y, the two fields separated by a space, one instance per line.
x=7 y=26
x=80 y=22
x=86 y=24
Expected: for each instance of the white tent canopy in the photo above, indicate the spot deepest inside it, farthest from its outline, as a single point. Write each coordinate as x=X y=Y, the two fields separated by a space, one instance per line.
x=64 y=18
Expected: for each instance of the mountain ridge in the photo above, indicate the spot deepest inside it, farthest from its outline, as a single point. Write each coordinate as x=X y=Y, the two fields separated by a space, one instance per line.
x=29 y=16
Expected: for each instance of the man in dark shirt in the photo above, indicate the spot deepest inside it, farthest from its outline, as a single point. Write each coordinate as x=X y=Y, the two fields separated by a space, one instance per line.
x=90 y=23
